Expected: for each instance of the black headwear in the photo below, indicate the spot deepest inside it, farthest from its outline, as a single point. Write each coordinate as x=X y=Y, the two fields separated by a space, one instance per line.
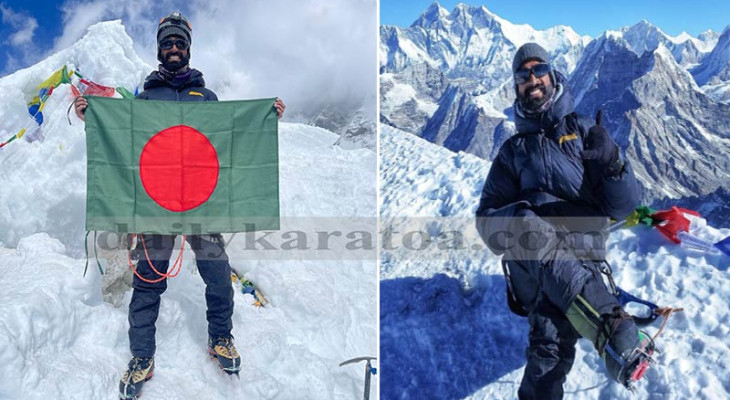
x=173 y=24
x=532 y=51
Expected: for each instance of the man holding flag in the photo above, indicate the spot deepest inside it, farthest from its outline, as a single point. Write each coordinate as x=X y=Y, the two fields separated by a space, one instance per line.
x=203 y=170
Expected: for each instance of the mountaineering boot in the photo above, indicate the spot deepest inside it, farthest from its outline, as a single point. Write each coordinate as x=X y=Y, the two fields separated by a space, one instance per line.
x=139 y=370
x=222 y=349
x=627 y=364
x=626 y=350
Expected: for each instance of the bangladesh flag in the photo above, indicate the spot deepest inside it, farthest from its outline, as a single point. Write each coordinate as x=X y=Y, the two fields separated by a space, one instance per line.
x=181 y=167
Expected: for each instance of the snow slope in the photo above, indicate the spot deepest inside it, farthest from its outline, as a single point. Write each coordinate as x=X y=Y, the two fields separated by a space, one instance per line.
x=446 y=331
x=60 y=339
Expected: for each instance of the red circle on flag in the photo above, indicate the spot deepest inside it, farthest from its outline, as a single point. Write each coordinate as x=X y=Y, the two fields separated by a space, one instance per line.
x=179 y=168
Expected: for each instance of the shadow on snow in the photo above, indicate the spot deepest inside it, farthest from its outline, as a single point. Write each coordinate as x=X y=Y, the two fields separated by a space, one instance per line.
x=439 y=341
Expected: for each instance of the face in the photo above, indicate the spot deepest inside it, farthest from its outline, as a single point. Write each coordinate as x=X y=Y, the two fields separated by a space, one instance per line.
x=174 y=58
x=536 y=91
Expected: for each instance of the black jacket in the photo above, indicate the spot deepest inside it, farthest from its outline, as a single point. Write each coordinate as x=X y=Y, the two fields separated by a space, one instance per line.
x=156 y=87
x=540 y=169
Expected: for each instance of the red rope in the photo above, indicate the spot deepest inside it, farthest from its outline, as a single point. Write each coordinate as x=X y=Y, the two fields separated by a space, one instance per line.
x=173 y=273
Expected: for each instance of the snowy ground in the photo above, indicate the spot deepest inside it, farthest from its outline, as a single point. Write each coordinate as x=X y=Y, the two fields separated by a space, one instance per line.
x=446 y=332
x=58 y=337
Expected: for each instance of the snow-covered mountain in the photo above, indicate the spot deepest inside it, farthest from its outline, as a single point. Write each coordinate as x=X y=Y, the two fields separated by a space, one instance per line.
x=686 y=49
x=447 y=78
x=716 y=66
x=471 y=42
x=355 y=127
x=709 y=37
x=713 y=74
x=446 y=331
x=60 y=338
x=675 y=136
x=443 y=77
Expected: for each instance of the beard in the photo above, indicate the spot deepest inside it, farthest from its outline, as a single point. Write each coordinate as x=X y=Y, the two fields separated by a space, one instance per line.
x=533 y=104
x=176 y=65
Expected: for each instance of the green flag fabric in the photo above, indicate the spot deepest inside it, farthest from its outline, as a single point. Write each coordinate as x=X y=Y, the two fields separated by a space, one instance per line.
x=181 y=167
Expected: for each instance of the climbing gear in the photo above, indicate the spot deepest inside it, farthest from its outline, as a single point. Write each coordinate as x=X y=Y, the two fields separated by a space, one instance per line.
x=139 y=370
x=614 y=334
x=222 y=349
x=625 y=298
x=631 y=365
x=248 y=287
x=174 y=270
x=626 y=351
x=369 y=371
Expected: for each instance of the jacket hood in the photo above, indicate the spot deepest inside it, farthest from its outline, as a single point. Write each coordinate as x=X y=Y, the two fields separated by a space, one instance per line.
x=156 y=79
x=562 y=106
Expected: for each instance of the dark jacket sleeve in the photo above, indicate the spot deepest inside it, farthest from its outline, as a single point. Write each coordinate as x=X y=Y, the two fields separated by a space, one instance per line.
x=616 y=195
x=210 y=96
x=499 y=201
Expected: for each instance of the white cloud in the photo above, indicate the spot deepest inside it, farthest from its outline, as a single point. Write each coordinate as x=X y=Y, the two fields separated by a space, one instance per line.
x=24 y=35
x=308 y=52
x=77 y=17
x=23 y=24
x=139 y=17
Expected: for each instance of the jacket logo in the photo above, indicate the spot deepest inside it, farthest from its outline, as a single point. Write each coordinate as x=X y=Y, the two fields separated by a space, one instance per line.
x=194 y=93
x=565 y=138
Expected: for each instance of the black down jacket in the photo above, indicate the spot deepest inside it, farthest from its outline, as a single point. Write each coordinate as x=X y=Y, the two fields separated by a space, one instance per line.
x=540 y=169
x=156 y=87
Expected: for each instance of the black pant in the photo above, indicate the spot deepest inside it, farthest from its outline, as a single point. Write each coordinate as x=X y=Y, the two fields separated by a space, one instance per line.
x=546 y=290
x=550 y=354
x=215 y=270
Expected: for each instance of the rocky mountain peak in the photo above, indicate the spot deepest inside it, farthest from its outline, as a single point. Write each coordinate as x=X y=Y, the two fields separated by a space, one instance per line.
x=716 y=66
x=434 y=13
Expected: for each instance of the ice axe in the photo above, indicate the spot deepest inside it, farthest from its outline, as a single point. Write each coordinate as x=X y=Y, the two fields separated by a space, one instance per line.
x=369 y=370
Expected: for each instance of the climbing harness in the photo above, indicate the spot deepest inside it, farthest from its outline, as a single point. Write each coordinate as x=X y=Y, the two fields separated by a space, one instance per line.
x=625 y=297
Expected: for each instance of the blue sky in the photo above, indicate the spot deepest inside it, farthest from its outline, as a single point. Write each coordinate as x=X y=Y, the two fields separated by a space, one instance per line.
x=33 y=29
x=586 y=17
x=20 y=30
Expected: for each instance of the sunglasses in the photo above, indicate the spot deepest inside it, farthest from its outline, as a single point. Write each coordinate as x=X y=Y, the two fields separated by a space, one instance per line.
x=522 y=75
x=181 y=44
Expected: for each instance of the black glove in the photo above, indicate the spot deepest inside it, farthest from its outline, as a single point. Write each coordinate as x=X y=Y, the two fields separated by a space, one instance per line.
x=601 y=152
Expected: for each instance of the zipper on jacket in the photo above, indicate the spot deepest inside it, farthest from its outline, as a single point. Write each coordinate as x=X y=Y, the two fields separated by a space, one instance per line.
x=545 y=141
